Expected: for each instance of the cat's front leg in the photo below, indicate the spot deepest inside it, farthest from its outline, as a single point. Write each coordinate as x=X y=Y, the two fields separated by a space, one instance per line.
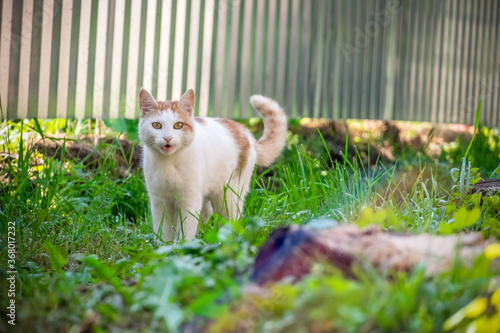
x=206 y=210
x=165 y=218
x=189 y=218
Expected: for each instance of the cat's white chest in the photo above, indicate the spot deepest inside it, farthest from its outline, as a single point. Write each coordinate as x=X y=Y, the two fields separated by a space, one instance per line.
x=165 y=177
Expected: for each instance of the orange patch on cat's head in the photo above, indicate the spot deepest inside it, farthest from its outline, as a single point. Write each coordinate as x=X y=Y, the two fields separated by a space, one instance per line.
x=187 y=101
x=184 y=107
x=149 y=104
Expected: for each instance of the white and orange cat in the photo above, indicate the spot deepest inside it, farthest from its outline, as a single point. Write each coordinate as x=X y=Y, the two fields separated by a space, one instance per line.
x=194 y=166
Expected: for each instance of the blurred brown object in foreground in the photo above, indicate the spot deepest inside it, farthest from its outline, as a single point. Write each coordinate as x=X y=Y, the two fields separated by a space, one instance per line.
x=291 y=251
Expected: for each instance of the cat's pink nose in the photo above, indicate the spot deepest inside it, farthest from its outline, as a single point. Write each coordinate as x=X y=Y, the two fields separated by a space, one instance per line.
x=167 y=139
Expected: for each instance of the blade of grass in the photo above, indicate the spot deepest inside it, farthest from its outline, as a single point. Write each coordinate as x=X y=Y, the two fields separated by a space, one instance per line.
x=476 y=123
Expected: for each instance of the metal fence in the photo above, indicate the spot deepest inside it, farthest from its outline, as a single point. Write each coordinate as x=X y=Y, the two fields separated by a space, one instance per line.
x=408 y=60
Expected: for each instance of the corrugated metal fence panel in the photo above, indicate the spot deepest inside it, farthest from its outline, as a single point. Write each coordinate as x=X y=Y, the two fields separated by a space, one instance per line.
x=409 y=60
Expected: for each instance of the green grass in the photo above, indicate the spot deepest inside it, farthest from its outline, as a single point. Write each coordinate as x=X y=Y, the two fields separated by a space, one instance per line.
x=87 y=257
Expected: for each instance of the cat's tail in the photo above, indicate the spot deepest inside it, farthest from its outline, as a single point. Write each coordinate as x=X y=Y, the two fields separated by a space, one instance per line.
x=270 y=145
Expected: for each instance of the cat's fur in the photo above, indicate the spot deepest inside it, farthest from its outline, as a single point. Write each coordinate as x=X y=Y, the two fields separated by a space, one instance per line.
x=207 y=164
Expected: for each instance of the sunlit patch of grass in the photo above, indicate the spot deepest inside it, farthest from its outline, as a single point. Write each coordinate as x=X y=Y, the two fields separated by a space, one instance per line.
x=88 y=257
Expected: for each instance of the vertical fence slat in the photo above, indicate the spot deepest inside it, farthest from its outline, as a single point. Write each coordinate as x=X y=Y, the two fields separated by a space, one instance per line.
x=346 y=59
x=293 y=60
x=64 y=59
x=327 y=55
x=125 y=59
x=148 y=74
x=259 y=42
x=36 y=45
x=100 y=59
x=116 y=66
x=108 y=57
x=453 y=54
x=420 y=60
x=270 y=67
x=166 y=14
x=387 y=40
x=461 y=74
x=282 y=54
x=469 y=97
x=477 y=75
x=440 y=56
x=73 y=64
x=495 y=83
x=395 y=59
x=316 y=95
x=180 y=27
x=483 y=75
x=233 y=60
x=490 y=75
x=89 y=94
x=431 y=41
x=156 y=48
x=83 y=55
x=25 y=57
x=220 y=61
x=451 y=81
x=363 y=29
x=245 y=57
x=378 y=53
x=339 y=59
x=194 y=27
x=486 y=117
x=54 y=61
x=400 y=62
x=404 y=108
x=446 y=62
x=333 y=59
x=14 y=62
x=357 y=34
x=413 y=63
x=133 y=59
x=494 y=87
x=43 y=92
x=208 y=24
x=304 y=60
x=5 y=46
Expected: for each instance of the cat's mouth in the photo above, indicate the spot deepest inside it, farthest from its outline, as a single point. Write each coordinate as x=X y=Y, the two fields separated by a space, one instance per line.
x=167 y=148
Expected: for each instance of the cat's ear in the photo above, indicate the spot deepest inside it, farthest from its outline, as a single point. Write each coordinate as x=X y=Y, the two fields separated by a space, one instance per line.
x=187 y=101
x=147 y=102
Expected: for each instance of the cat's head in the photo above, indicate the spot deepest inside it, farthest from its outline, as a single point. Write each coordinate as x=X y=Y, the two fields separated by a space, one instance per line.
x=166 y=127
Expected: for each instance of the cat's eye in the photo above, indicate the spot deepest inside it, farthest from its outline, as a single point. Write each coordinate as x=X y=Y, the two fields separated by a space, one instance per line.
x=178 y=125
x=156 y=125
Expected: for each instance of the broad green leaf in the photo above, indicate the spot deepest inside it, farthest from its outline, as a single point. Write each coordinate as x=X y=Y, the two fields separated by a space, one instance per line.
x=471 y=310
x=102 y=272
x=487 y=324
x=480 y=267
x=205 y=305
x=476 y=123
x=476 y=199
x=476 y=307
x=57 y=256
x=495 y=299
x=455 y=173
x=461 y=219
